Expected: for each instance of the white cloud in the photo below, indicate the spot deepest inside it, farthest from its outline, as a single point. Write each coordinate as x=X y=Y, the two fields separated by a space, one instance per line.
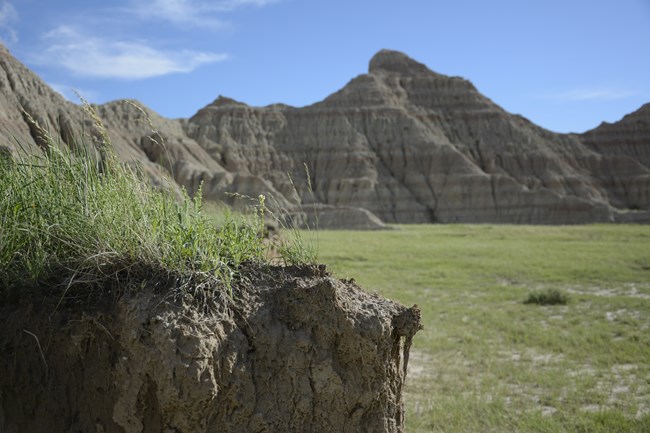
x=198 y=13
x=8 y=16
x=604 y=94
x=177 y=12
x=7 y=13
x=97 y=57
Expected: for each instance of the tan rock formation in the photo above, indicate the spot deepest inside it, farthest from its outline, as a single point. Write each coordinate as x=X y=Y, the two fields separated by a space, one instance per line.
x=402 y=142
x=23 y=96
x=411 y=145
x=624 y=169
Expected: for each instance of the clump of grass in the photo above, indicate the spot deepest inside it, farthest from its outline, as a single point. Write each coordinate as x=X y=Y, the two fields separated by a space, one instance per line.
x=66 y=212
x=547 y=297
x=289 y=246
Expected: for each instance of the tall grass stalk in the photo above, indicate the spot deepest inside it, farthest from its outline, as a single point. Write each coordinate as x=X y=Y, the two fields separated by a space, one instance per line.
x=296 y=249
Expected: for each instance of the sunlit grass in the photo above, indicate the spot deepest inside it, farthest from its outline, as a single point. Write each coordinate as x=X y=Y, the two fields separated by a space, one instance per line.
x=487 y=361
x=78 y=215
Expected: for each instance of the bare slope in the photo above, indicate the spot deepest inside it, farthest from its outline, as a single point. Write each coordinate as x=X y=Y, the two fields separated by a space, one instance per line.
x=26 y=99
x=401 y=142
x=625 y=169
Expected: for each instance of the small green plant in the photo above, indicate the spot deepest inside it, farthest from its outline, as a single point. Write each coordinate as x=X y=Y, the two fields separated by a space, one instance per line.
x=547 y=297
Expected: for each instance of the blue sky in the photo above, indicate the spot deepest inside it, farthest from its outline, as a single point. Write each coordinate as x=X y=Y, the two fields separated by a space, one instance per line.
x=566 y=65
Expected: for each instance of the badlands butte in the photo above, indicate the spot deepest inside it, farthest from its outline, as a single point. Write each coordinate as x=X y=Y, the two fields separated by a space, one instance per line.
x=399 y=144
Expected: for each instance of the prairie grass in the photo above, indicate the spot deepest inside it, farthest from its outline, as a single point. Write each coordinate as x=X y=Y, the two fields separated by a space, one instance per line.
x=64 y=212
x=488 y=362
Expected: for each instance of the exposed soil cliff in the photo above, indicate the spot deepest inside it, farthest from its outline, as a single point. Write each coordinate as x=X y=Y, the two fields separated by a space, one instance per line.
x=292 y=350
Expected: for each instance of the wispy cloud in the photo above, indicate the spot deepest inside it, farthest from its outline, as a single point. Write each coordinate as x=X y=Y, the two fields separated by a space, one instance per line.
x=603 y=94
x=177 y=12
x=8 y=16
x=100 y=57
x=198 y=13
x=228 y=5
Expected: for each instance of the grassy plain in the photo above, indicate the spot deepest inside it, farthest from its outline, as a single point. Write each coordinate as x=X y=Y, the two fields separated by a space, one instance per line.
x=488 y=362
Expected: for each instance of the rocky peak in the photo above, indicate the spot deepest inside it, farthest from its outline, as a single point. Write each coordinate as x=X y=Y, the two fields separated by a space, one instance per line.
x=223 y=101
x=389 y=61
x=629 y=137
x=642 y=114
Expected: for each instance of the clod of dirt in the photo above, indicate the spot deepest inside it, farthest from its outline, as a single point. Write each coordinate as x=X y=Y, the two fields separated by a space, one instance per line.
x=292 y=350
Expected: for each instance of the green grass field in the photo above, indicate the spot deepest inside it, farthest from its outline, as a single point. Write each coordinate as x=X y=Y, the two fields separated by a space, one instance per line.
x=488 y=362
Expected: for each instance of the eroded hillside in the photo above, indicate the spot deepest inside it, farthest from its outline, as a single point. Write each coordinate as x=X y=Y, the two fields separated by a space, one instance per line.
x=401 y=143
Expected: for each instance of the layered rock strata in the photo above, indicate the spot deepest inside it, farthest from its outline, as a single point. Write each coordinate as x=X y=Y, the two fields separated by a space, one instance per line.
x=625 y=150
x=398 y=144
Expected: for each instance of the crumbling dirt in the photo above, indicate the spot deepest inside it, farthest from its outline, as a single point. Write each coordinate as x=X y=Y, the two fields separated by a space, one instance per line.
x=292 y=350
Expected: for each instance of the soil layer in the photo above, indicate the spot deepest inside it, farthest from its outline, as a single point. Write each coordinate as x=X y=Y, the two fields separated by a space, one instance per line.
x=290 y=349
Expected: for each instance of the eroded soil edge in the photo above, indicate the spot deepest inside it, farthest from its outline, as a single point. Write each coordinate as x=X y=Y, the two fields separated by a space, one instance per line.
x=293 y=349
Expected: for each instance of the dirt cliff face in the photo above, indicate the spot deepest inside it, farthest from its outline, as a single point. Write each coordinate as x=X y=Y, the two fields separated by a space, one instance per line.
x=401 y=143
x=292 y=350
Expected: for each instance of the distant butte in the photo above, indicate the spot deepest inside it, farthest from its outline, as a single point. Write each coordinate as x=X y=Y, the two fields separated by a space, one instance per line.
x=400 y=144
